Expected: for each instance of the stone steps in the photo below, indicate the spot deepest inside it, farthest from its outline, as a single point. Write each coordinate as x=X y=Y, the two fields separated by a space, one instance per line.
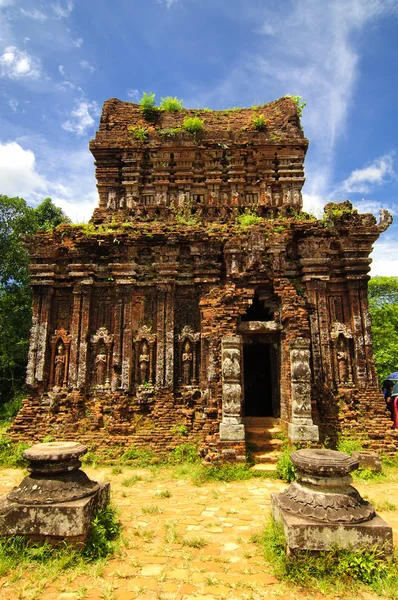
x=263 y=435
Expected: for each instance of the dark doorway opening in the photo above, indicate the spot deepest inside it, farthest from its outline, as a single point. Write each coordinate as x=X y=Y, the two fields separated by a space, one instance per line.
x=258 y=380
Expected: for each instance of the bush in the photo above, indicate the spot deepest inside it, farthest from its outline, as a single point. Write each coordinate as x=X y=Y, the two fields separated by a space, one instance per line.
x=141 y=458
x=193 y=124
x=139 y=133
x=284 y=466
x=348 y=445
x=171 y=105
x=247 y=219
x=148 y=106
x=259 y=123
x=105 y=529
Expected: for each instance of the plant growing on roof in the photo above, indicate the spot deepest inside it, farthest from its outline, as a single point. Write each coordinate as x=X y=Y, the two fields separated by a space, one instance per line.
x=148 y=106
x=299 y=103
x=139 y=133
x=259 y=123
x=171 y=104
x=193 y=124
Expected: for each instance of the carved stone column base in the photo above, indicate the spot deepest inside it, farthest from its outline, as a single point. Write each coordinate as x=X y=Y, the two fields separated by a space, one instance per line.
x=232 y=431
x=306 y=433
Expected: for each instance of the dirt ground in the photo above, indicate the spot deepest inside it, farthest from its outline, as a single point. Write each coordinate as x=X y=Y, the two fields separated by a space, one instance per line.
x=163 y=519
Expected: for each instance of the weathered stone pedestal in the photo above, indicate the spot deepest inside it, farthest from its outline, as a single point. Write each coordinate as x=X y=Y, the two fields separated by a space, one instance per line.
x=322 y=510
x=56 y=501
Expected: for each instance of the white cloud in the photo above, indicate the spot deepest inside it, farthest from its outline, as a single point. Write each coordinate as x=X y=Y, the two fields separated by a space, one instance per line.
x=373 y=174
x=133 y=94
x=78 y=43
x=86 y=65
x=4 y=3
x=61 y=69
x=18 y=64
x=35 y=14
x=73 y=188
x=385 y=258
x=13 y=104
x=18 y=175
x=170 y=3
x=63 y=10
x=81 y=119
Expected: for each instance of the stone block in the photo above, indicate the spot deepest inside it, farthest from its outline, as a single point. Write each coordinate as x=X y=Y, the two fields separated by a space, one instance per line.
x=303 y=433
x=69 y=521
x=368 y=460
x=229 y=431
x=306 y=534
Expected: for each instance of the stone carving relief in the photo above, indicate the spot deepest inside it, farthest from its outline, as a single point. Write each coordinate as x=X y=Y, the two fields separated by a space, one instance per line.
x=60 y=348
x=301 y=426
x=231 y=427
x=188 y=351
x=341 y=337
x=102 y=343
x=144 y=346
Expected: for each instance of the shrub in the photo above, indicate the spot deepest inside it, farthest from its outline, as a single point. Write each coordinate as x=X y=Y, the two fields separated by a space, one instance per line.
x=348 y=445
x=148 y=106
x=299 y=103
x=193 y=124
x=247 y=219
x=284 y=466
x=105 y=529
x=139 y=133
x=171 y=105
x=259 y=123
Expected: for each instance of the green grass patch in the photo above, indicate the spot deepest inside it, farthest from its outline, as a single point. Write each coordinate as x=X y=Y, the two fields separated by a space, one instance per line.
x=330 y=572
x=20 y=555
x=11 y=453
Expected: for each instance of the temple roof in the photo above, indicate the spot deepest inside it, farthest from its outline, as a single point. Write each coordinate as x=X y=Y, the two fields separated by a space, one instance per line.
x=120 y=121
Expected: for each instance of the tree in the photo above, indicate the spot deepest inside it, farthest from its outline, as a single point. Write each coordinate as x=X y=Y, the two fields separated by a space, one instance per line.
x=383 y=304
x=16 y=219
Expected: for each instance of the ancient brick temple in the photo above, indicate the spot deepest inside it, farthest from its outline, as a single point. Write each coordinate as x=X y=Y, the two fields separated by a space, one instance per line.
x=200 y=295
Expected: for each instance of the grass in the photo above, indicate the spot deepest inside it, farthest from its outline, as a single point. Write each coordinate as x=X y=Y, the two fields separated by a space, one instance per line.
x=20 y=556
x=336 y=571
x=139 y=133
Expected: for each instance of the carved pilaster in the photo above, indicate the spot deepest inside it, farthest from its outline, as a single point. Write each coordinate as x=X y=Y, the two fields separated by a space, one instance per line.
x=301 y=426
x=231 y=427
x=83 y=336
x=42 y=333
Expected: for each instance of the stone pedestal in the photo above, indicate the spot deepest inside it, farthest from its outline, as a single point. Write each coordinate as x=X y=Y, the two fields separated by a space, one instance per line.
x=56 y=501
x=322 y=509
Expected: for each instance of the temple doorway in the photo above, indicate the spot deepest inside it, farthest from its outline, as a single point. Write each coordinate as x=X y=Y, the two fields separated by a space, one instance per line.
x=260 y=381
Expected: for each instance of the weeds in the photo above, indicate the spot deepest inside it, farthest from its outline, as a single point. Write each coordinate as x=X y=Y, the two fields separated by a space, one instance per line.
x=139 y=133
x=140 y=457
x=163 y=494
x=151 y=510
x=105 y=529
x=130 y=481
x=184 y=453
x=195 y=542
x=327 y=570
x=148 y=106
x=284 y=467
x=193 y=125
x=11 y=453
x=247 y=219
x=170 y=104
x=259 y=123
x=299 y=103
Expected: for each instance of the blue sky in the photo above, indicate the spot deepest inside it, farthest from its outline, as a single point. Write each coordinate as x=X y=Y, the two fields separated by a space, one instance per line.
x=61 y=59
